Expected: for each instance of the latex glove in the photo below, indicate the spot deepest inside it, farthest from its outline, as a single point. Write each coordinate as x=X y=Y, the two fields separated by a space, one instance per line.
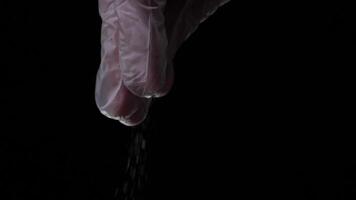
x=139 y=39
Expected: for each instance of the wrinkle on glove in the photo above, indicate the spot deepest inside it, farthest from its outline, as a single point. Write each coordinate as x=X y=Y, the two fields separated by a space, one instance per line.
x=139 y=39
x=143 y=46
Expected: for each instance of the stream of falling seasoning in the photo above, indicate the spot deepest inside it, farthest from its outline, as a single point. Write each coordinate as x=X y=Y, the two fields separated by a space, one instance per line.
x=135 y=174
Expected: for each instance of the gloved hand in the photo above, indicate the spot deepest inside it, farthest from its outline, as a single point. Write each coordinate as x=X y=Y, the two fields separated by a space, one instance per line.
x=139 y=40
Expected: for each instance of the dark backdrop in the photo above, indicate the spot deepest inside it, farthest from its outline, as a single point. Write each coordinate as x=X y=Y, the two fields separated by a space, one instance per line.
x=260 y=106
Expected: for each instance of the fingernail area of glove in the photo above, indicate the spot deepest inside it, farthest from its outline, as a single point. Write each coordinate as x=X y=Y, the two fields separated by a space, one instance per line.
x=134 y=119
x=156 y=90
x=137 y=116
x=126 y=107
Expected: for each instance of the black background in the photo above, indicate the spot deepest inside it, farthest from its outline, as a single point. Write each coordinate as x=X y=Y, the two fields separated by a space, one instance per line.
x=261 y=106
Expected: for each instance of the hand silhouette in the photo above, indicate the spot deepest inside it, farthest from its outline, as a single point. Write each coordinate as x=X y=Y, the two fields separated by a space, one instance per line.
x=139 y=40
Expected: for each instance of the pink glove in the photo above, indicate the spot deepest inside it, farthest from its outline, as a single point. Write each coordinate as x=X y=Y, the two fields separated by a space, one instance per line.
x=139 y=40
